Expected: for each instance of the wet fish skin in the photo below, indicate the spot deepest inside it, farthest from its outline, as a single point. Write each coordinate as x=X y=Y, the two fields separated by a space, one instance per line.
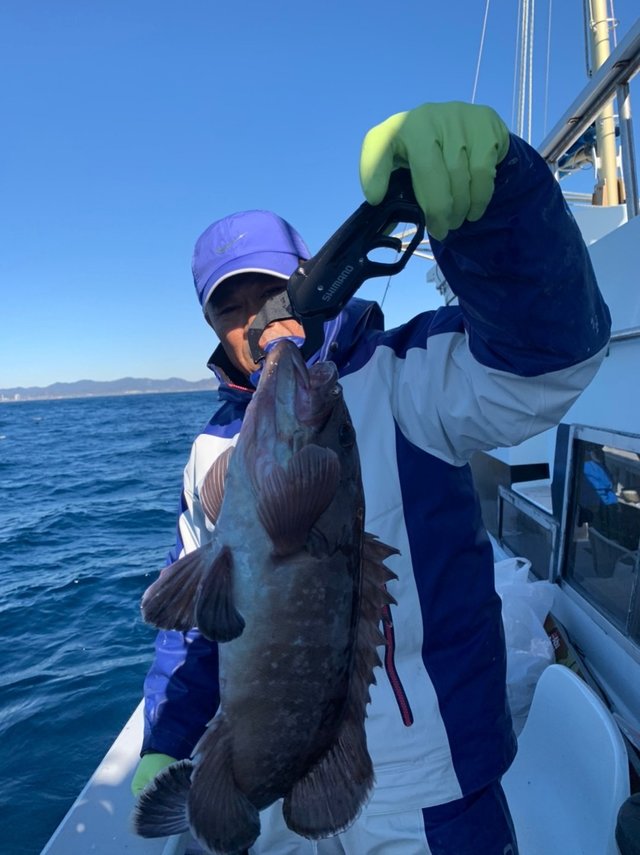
x=293 y=589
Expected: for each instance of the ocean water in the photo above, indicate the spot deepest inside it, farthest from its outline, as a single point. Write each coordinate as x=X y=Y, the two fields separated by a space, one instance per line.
x=89 y=494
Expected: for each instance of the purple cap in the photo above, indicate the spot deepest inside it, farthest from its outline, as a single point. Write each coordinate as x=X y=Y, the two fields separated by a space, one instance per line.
x=247 y=242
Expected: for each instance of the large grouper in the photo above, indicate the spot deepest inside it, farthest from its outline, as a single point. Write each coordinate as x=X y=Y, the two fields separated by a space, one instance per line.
x=293 y=590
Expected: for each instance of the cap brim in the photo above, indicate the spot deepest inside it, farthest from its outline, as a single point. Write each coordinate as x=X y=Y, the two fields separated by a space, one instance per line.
x=280 y=264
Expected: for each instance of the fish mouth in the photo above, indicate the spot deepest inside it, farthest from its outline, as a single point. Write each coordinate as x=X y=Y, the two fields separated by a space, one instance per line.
x=308 y=394
x=290 y=409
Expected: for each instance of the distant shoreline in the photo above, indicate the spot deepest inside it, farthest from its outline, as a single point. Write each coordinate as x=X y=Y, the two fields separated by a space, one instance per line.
x=35 y=400
x=104 y=389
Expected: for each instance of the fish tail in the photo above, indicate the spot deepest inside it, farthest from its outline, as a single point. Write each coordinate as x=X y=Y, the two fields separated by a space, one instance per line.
x=221 y=816
x=161 y=809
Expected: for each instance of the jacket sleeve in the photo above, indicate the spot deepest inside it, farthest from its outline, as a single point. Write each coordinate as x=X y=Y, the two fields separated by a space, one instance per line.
x=181 y=691
x=528 y=336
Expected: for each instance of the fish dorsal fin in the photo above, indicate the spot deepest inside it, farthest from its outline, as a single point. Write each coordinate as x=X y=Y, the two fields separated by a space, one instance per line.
x=216 y=614
x=292 y=498
x=169 y=602
x=212 y=487
x=330 y=796
x=374 y=598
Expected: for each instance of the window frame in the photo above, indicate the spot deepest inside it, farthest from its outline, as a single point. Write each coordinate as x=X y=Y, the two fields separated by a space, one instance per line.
x=546 y=520
x=625 y=442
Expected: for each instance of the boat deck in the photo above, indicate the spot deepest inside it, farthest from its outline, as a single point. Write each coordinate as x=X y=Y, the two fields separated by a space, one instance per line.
x=98 y=822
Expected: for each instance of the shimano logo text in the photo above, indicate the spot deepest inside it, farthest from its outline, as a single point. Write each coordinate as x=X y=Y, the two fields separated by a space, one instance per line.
x=337 y=282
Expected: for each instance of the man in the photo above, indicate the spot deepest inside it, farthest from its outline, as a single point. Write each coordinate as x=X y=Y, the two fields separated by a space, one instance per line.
x=527 y=337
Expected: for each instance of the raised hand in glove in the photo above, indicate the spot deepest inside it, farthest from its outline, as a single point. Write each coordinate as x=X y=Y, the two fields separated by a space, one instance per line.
x=452 y=150
x=148 y=768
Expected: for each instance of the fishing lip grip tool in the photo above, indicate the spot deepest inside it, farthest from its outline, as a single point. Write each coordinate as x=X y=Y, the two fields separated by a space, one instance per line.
x=320 y=288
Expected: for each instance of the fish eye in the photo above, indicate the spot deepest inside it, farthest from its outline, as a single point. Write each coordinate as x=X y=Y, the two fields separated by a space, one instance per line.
x=346 y=435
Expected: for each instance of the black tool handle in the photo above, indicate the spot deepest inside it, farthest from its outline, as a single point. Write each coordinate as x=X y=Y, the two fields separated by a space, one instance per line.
x=322 y=286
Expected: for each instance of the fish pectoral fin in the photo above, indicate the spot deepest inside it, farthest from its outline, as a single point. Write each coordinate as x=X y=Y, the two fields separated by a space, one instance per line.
x=216 y=615
x=212 y=488
x=221 y=816
x=292 y=498
x=161 y=809
x=330 y=796
x=169 y=603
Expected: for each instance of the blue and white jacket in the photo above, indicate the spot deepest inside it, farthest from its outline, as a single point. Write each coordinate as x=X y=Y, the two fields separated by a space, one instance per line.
x=528 y=336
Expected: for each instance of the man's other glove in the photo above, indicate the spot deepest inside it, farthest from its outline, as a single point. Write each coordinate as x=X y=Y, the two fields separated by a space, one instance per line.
x=452 y=150
x=148 y=768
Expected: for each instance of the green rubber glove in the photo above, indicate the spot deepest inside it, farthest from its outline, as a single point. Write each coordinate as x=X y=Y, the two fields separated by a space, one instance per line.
x=452 y=150
x=148 y=768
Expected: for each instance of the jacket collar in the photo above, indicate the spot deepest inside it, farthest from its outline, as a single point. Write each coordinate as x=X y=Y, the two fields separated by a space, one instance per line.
x=341 y=336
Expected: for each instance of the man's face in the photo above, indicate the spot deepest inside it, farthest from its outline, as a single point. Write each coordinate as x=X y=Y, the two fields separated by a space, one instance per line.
x=231 y=311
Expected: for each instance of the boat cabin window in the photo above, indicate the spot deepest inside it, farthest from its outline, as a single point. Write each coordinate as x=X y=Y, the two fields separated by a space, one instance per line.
x=524 y=529
x=603 y=527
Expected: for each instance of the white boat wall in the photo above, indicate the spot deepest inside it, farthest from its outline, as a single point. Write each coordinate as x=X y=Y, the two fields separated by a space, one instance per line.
x=538 y=499
x=569 y=502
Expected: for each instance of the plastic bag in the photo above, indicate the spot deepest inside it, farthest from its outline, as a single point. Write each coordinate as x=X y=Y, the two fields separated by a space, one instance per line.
x=525 y=606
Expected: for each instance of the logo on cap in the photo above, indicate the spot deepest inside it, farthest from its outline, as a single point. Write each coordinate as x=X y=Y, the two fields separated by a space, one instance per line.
x=220 y=250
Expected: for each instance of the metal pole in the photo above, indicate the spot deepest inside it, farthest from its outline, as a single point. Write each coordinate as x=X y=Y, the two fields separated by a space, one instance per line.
x=627 y=149
x=621 y=66
x=605 y=125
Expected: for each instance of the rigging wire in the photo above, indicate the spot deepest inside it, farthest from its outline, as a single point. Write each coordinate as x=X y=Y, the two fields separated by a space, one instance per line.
x=515 y=66
x=484 y=30
x=587 y=18
x=530 y=69
x=614 y=24
x=522 y=70
x=522 y=67
x=546 y=72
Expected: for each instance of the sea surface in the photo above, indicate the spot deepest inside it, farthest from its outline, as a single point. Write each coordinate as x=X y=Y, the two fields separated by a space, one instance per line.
x=89 y=496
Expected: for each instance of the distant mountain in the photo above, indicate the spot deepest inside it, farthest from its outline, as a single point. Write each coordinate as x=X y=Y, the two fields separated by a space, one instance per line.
x=98 y=388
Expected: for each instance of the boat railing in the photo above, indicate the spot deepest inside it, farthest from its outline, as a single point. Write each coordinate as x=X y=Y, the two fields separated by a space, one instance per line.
x=625 y=334
x=612 y=78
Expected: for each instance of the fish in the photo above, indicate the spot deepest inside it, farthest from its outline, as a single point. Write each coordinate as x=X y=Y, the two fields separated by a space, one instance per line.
x=293 y=590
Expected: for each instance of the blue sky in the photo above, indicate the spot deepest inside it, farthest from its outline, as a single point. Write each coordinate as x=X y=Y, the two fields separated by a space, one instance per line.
x=130 y=125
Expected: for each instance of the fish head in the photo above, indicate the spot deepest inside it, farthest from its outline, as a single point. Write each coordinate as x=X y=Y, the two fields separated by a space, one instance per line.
x=295 y=406
x=291 y=404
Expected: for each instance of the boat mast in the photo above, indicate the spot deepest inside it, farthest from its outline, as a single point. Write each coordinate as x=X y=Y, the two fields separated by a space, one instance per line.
x=607 y=188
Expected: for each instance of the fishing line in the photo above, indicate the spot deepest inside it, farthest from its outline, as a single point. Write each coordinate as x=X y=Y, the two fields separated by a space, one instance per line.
x=386 y=289
x=384 y=296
